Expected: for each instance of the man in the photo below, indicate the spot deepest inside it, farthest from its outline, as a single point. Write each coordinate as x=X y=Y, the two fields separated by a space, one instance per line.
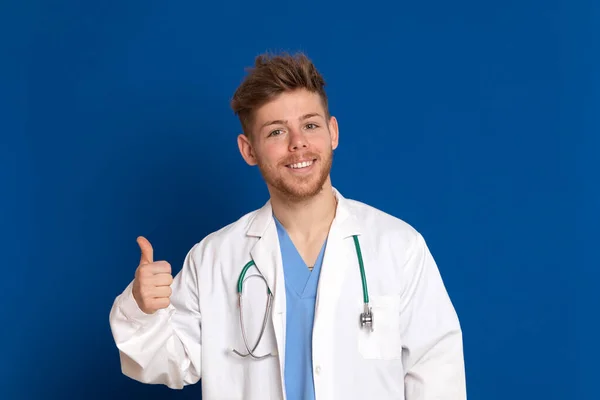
x=330 y=330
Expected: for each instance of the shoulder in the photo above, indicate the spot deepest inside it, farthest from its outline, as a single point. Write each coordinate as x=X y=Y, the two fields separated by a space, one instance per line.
x=226 y=236
x=384 y=226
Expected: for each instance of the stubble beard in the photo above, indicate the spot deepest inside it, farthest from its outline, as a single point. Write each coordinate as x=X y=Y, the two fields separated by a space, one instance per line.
x=298 y=188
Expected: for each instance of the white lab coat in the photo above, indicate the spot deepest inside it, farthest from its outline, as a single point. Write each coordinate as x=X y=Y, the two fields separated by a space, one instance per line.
x=414 y=353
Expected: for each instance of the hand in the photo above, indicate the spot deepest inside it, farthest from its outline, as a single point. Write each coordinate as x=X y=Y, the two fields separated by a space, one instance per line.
x=152 y=283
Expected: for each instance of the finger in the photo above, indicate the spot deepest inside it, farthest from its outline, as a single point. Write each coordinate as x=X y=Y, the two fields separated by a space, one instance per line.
x=161 y=291
x=147 y=256
x=159 y=267
x=161 y=302
x=164 y=279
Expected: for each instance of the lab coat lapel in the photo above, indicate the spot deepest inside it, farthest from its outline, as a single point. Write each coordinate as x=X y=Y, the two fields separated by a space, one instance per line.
x=267 y=257
x=339 y=257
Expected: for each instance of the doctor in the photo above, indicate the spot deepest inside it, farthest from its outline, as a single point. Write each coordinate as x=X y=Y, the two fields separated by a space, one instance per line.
x=312 y=296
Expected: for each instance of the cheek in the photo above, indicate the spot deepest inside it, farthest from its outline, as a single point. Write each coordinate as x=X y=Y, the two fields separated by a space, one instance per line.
x=271 y=154
x=321 y=143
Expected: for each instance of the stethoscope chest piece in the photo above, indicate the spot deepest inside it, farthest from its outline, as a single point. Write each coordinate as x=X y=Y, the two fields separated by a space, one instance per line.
x=366 y=318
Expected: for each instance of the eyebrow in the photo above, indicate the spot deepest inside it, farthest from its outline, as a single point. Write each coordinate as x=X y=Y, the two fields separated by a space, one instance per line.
x=283 y=122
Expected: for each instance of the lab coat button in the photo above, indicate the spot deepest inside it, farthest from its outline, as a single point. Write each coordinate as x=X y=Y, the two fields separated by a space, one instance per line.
x=318 y=370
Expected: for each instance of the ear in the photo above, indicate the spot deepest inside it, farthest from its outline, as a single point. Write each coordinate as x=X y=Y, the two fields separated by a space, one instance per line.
x=334 y=132
x=246 y=150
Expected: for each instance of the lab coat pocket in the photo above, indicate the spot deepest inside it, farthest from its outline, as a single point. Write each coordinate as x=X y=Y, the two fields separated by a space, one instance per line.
x=384 y=342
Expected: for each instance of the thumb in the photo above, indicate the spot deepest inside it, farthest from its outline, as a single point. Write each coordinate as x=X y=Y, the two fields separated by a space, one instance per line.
x=147 y=256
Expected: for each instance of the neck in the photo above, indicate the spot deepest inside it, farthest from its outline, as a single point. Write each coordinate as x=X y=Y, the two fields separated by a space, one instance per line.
x=306 y=218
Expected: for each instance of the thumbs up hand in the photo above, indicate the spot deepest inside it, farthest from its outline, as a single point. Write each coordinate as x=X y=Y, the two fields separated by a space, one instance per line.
x=152 y=283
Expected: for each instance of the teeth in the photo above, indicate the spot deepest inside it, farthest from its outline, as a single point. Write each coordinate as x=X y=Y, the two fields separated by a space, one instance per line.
x=301 y=165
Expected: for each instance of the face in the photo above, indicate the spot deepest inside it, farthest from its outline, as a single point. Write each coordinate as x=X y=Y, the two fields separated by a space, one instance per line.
x=292 y=143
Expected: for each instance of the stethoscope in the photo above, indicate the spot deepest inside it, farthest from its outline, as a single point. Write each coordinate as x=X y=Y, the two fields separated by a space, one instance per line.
x=366 y=317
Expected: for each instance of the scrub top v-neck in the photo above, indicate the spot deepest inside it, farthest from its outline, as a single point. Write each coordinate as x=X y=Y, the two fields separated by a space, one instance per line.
x=301 y=289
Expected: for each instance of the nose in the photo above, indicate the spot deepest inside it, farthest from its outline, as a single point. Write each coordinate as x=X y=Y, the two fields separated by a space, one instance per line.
x=297 y=140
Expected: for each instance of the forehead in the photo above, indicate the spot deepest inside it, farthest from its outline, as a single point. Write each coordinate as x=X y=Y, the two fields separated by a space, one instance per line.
x=290 y=106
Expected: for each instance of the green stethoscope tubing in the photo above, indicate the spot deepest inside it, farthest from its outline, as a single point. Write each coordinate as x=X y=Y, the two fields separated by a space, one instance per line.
x=366 y=318
x=360 y=264
x=243 y=274
x=362 y=270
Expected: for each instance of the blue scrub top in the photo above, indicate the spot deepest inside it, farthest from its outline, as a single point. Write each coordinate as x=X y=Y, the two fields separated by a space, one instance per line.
x=301 y=290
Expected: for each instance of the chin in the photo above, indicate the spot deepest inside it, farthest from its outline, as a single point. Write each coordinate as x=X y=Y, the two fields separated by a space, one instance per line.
x=303 y=193
x=300 y=190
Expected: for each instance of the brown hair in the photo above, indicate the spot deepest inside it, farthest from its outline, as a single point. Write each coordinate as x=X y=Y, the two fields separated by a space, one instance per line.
x=271 y=76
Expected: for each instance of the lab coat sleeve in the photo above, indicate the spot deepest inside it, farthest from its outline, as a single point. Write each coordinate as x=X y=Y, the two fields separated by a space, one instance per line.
x=432 y=335
x=164 y=347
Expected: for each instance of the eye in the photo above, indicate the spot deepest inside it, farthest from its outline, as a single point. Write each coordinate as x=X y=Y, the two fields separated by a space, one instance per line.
x=276 y=132
x=311 y=126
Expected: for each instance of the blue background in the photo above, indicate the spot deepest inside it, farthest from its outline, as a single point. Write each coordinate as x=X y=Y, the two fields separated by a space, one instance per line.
x=476 y=122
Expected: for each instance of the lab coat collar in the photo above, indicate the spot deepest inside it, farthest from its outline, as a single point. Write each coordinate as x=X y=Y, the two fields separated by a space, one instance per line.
x=345 y=222
x=266 y=253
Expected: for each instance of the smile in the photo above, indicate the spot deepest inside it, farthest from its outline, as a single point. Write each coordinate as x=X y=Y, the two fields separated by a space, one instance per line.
x=303 y=164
